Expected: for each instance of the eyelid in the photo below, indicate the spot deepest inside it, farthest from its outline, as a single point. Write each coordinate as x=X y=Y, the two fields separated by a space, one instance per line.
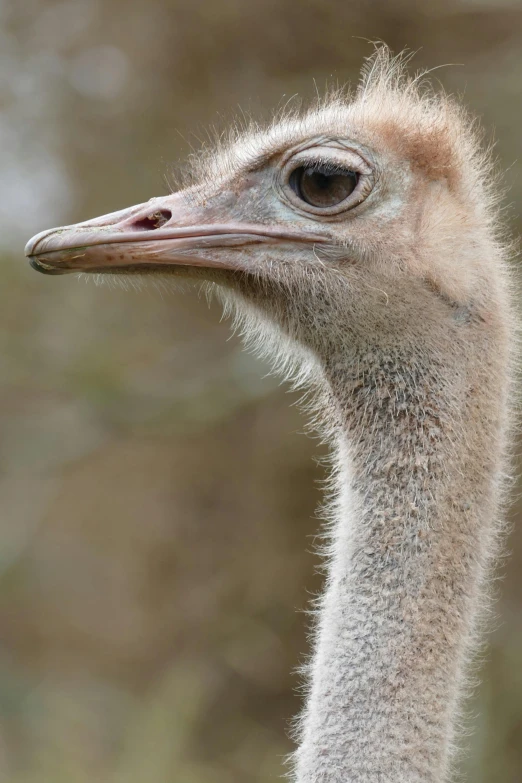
x=346 y=157
x=324 y=166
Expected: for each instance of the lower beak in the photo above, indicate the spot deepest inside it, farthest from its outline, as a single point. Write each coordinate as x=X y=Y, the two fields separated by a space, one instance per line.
x=161 y=233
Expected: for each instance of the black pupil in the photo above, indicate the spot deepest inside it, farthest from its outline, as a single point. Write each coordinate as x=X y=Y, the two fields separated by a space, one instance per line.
x=322 y=188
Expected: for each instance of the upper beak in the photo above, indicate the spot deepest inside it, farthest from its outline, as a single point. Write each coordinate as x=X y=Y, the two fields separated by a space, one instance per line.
x=160 y=233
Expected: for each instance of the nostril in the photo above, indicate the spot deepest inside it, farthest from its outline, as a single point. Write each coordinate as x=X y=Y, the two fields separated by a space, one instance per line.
x=154 y=220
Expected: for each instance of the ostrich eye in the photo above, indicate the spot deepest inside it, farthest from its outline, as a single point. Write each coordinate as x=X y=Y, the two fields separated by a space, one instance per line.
x=323 y=186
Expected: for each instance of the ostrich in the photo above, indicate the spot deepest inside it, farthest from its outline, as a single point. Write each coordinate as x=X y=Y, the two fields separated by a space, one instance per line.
x=358 y=243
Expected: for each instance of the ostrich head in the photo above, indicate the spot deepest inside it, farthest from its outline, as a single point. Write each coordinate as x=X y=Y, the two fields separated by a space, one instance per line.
x=315 y=221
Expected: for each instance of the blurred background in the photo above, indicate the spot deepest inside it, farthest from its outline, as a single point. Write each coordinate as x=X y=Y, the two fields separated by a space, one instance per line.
x=157 y=495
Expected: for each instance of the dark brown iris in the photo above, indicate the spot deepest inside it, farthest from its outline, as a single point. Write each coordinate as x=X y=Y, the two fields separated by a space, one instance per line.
x=322 y=187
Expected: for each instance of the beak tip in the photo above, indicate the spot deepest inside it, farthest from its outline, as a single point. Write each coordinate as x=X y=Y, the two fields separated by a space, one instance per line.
x=30 y=248
x=34 y=250
x=34 y=263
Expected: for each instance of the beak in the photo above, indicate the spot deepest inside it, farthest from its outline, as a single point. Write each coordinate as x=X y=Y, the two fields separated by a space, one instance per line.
x=164 y=232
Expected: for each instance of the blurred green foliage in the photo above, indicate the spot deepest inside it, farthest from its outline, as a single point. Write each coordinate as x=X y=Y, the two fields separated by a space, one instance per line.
x=157 y=503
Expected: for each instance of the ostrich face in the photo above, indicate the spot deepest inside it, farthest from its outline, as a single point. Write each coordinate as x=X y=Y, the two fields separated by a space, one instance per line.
x=366 y=195
x=308 y=192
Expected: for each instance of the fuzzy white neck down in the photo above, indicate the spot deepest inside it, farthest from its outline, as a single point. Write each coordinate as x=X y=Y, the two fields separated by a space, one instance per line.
x=409 y=545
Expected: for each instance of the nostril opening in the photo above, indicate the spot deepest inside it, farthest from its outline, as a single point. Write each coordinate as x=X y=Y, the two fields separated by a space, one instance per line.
x=153 y=221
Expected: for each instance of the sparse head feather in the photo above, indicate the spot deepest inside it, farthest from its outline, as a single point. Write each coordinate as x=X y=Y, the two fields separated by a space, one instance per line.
x=390 y=108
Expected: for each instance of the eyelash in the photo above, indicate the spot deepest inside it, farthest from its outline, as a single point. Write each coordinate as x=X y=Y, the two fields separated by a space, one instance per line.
x=326 y=167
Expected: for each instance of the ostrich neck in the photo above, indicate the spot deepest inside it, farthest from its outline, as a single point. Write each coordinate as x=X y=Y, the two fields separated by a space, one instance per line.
x=410 y=538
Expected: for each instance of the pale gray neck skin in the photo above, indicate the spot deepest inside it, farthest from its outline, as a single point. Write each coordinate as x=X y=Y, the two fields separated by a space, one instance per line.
x=412 y=532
